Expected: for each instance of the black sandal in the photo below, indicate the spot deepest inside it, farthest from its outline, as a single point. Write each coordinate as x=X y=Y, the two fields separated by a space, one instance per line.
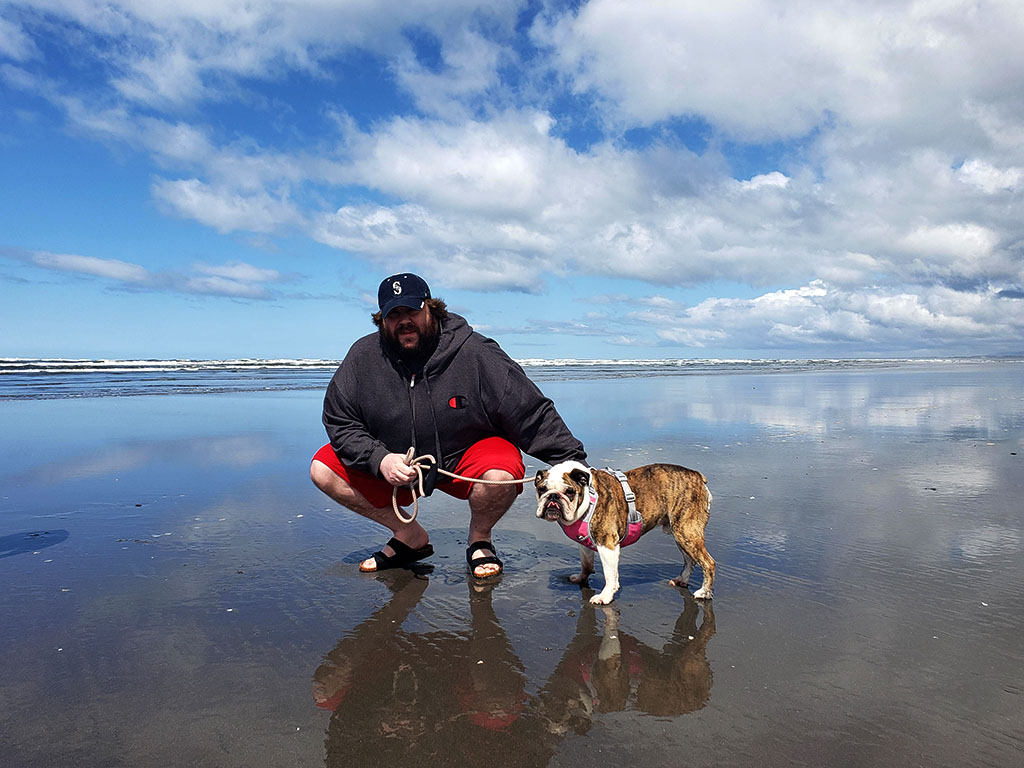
x=404 y=555
x=476 y=546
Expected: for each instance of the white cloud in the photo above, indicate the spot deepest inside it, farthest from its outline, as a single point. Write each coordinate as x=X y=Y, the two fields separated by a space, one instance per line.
x=505 y=186
x=778 y=68
x=469 y=67
x=193 y=50
x=773 y=179
x=464 y=253
x=868 y=319
x=967 y=242
x=89 y=265
x=234 y=279
x=15 y=43
x=503 y=166
x=238 y=270
x=221 y=286
x=988 y=178
x=225 y=209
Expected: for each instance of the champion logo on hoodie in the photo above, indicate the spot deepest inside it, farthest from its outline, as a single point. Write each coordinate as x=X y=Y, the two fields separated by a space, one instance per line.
x=457 y=401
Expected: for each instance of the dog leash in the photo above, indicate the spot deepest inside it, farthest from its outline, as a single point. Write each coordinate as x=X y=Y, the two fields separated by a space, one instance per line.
x=419 y=463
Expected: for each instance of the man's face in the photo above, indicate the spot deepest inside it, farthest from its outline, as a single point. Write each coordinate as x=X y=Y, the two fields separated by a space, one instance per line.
x=409 y=329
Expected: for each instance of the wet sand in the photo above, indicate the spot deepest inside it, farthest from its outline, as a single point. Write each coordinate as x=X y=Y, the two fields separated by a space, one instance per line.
x=175 y=592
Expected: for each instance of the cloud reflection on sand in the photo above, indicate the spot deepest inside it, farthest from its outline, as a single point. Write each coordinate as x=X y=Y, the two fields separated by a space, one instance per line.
x=230 y=451
x=986 y=540
x=813 y=406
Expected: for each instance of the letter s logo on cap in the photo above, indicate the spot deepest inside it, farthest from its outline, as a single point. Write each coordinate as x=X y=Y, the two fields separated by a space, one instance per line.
x=396 y=287
x=457 y=401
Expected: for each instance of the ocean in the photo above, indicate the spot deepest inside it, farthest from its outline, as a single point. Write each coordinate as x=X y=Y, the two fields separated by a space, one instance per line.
x=43 y=379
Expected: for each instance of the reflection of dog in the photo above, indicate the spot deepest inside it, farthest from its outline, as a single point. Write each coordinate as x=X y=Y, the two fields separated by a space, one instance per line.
x=676 y=497
x=610 y=670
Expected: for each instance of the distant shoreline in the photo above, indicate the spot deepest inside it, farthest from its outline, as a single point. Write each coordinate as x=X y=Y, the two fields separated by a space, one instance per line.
x=83 y=364
x=54 y=378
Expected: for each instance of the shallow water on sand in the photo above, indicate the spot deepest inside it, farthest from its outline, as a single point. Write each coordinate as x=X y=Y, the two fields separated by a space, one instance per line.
x=175 y=592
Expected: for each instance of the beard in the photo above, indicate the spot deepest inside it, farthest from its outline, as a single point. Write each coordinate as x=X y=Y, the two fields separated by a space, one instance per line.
x=425 y=345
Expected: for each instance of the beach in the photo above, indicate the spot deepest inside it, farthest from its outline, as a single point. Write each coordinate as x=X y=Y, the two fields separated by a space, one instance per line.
x=176 y=592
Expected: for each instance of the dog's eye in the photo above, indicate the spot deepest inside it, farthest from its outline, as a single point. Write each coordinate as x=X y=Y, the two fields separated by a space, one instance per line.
x=570 y=493
x=542 y=489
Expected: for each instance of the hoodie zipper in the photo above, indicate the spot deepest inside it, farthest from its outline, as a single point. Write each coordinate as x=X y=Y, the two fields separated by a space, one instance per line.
x=433 y=415
x=433 y=418
x=412 y=405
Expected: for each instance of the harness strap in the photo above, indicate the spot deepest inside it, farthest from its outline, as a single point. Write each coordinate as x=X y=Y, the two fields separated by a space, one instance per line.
x=634 y=515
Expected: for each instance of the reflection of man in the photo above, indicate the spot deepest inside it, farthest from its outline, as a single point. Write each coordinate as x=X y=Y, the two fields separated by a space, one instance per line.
x=426 y=379
x=438 y=698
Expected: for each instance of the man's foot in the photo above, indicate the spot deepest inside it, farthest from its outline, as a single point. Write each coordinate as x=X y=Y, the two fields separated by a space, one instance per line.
x=483 y=559
x=394 y=554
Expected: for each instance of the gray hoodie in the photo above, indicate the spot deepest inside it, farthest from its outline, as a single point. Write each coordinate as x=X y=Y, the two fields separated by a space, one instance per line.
x=468 y=389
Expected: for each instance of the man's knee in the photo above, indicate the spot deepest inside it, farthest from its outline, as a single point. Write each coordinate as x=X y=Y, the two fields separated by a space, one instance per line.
x=322 y=475
x=497 y=474
x=504 y=493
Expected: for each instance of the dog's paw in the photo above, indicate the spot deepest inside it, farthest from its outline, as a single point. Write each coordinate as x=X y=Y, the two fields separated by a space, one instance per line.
x=601 y=599
x=678 y=583
x=702 y=594
x=579 y=578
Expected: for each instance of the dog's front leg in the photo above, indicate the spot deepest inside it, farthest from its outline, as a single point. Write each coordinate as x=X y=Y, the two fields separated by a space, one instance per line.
x=586 y=566
x=610 y=568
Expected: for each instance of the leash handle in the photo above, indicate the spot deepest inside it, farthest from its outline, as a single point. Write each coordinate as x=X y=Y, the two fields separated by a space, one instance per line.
x=410 y=461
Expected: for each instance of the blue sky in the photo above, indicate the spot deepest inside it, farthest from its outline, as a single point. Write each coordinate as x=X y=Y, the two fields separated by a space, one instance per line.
x=604 y=179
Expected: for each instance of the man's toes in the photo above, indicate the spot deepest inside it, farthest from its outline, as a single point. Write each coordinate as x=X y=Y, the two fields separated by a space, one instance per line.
x=482 y=571
x=369 y=565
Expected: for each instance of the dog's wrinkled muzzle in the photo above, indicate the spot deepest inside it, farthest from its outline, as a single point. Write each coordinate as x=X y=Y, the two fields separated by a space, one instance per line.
x=552 y=510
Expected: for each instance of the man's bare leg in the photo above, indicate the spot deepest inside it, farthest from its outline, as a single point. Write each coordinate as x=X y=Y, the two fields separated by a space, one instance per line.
x=487 y=505
x=413 y=534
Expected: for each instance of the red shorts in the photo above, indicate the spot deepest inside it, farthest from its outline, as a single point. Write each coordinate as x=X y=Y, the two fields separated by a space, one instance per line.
x=489 y=453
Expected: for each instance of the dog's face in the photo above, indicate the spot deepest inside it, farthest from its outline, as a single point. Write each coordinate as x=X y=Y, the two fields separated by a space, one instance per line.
x=562 y=492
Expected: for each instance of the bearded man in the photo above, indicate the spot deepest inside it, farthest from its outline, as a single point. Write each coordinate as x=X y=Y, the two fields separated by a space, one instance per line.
x=427 y=380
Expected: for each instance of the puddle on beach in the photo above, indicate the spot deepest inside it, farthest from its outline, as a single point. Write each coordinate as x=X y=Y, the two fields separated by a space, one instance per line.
x=176 y=592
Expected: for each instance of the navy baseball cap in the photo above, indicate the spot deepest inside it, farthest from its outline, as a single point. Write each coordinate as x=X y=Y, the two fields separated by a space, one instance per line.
x=403 y=290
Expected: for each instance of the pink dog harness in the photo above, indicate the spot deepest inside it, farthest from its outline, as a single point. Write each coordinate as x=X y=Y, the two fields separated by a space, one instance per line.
x=580 y=530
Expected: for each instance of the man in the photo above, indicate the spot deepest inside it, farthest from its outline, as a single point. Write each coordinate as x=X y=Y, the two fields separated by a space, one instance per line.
x=427 y=380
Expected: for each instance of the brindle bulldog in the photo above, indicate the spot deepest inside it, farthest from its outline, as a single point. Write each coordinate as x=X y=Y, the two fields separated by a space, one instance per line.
x=592 y=508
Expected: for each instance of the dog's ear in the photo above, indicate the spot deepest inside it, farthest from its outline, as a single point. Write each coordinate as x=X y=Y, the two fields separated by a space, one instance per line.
x=542 y=475
x=580 y=477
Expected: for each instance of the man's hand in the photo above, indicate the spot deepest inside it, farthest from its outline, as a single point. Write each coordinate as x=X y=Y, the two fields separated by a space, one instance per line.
x=394 y=469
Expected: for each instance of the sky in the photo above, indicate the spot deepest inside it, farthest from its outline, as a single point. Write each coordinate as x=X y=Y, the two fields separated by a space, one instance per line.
x=606 y=179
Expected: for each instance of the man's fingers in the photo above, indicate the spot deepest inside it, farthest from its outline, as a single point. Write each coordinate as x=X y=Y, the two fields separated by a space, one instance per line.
x=396 y=471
